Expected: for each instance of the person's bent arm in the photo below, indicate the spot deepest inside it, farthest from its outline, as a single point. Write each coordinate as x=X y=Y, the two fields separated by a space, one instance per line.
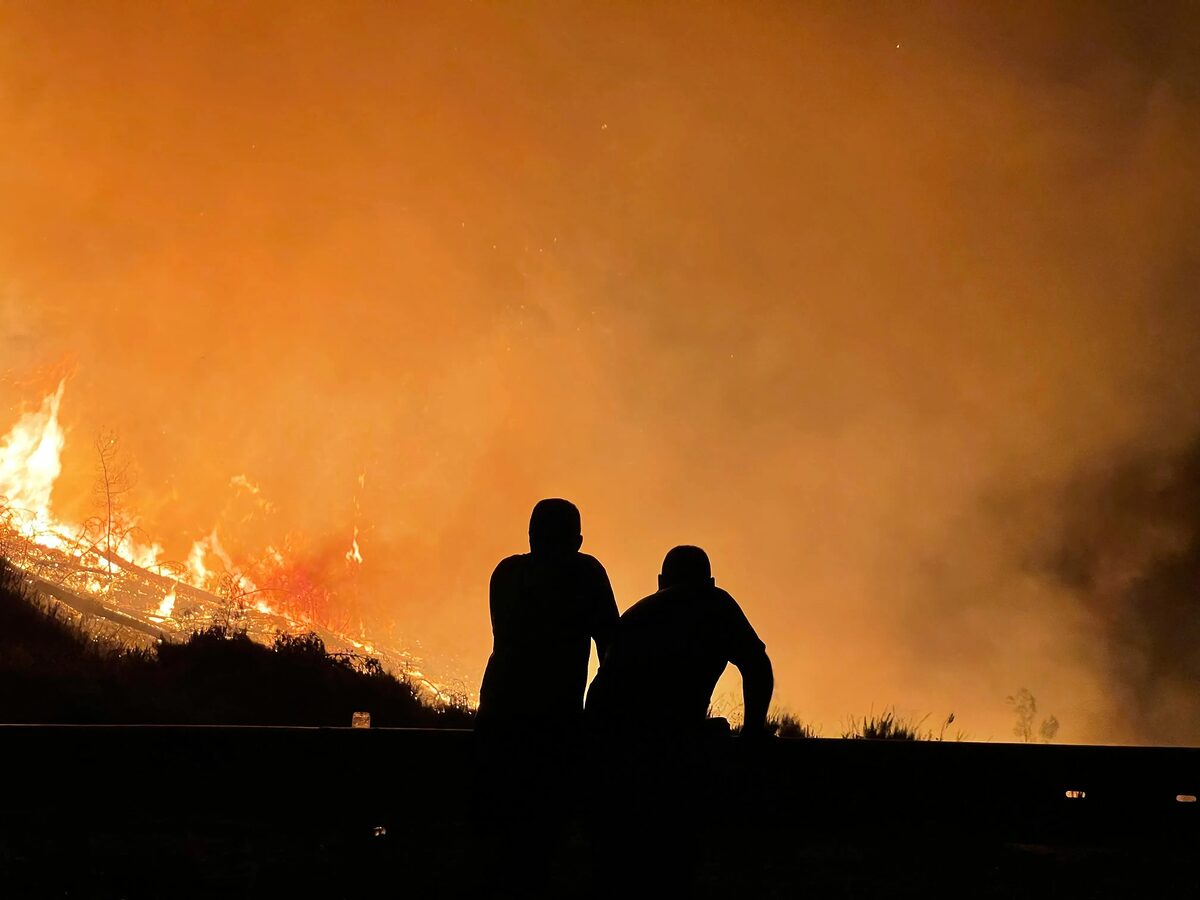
x=758 y=684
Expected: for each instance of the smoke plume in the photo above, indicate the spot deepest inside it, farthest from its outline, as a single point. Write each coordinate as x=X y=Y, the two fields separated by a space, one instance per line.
x=890 y=308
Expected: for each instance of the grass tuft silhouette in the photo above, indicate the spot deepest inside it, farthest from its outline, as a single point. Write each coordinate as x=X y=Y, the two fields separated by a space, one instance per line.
x=784 y=724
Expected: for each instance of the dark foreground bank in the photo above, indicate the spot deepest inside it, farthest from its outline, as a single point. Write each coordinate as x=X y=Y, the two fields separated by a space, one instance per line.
x=203 y=812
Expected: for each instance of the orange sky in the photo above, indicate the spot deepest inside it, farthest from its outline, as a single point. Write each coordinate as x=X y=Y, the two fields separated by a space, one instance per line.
x=830 y=290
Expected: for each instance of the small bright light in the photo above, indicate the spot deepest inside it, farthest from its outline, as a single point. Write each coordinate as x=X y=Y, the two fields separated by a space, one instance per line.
x=1076 y=795
x=360 y=720
x=379 y=831
x=1185 y=798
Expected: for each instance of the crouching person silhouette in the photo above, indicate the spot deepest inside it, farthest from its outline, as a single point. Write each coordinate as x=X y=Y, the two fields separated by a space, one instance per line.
x=547 y=607
x=671 y=648
x=649 y=704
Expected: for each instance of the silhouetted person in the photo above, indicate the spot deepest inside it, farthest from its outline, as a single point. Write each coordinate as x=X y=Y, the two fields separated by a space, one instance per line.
x=547 y=607
x=650 y=702
x=671 y=647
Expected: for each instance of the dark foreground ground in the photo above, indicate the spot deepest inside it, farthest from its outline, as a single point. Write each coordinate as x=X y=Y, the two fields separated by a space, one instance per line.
x=148 y=812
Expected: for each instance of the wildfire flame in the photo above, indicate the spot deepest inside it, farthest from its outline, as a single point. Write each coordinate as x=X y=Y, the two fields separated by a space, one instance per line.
x=354 y=555
x=128 y=582
x=30 y=462
x=167 y=606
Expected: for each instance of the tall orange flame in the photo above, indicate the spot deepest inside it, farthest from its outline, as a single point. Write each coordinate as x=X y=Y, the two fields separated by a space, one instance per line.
x=30 y=462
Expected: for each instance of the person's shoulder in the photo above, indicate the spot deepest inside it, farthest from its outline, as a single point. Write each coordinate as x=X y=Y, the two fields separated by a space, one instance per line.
x=730 y=621
x=721 y=600
x=720 y=595
x=511 y=565
x=649 y=602
x=590 y=565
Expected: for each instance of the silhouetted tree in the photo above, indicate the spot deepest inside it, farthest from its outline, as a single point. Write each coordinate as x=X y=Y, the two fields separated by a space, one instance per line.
x=1024 y=705
x=114 y=479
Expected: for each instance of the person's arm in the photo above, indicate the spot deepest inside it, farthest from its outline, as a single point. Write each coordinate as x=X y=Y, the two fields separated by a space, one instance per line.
x=500 y=601
x=758 y=684
x=496 y=686
x=747 y=651
x=605 y=615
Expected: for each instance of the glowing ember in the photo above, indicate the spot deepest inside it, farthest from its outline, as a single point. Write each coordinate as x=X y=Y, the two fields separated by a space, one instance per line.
x=167 y=606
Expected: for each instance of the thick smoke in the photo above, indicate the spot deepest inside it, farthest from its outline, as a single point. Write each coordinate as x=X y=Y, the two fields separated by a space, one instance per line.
x=1128 y=547
x=861 y=299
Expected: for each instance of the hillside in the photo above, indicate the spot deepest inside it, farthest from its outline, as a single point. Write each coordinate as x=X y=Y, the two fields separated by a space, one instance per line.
x=54 y=671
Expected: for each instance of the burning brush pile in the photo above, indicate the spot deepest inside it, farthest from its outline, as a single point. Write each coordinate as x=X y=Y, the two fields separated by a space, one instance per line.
x=104 y=576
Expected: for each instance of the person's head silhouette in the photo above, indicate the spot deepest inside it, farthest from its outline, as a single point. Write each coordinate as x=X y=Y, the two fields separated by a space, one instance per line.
x=685 y=566
x=554 y=528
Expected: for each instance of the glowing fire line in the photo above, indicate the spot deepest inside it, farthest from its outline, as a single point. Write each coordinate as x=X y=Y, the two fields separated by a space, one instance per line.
x=132 y=580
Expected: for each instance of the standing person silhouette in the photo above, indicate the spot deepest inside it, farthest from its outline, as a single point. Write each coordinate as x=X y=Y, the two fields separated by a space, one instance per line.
x=547 y=607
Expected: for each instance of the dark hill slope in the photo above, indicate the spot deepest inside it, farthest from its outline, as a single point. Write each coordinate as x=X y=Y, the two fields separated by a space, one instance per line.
x=52 y=671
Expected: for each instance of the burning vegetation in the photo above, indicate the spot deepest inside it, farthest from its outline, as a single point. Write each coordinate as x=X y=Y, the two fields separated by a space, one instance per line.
x=54 y=671
x=109 y=579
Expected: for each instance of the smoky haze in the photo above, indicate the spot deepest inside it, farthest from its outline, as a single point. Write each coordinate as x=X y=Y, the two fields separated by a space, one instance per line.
x=873 y=303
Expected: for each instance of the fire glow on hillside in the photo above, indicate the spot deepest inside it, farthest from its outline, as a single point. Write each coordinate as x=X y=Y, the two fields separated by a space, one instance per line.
x=106 y=569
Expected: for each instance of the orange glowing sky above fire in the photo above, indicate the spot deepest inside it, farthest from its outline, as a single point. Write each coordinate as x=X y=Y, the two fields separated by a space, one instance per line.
x=808 y=286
